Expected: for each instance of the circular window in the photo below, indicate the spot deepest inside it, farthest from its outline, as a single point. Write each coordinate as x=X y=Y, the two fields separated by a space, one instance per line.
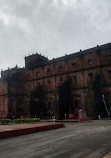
x=90 y=61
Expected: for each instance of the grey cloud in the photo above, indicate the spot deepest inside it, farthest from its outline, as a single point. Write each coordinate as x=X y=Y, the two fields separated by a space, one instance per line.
x=53 y=27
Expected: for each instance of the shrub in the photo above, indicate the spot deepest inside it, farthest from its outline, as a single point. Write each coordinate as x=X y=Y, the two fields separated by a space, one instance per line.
x=17 y=121
x=4 y=121
x=35 y=119
x=27 y=120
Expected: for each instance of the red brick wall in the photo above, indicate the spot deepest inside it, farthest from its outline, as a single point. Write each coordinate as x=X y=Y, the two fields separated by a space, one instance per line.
x=104 y=57
x=60 y=67
x=90 y=60
x=74 y=64
x=3 y=99
x=78 y=67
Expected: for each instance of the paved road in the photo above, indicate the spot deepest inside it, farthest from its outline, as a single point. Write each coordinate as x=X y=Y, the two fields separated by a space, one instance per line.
x=85 y=140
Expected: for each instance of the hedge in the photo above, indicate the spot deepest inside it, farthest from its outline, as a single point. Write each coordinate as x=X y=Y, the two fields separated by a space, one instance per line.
x=27 y=120
x=18 y=121
x=4 y=121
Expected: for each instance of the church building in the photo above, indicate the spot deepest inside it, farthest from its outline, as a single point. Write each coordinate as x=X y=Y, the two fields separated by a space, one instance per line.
x=61 y=86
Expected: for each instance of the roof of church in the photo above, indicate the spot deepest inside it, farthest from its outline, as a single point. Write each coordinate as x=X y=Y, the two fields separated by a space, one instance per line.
x=81 y=52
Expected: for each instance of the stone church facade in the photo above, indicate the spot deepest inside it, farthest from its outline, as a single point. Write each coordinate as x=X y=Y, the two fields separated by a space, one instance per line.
x=60 y=86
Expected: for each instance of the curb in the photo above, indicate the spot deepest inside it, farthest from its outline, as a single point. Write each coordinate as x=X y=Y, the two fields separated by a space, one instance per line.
x=108 y=155
x=19 y=132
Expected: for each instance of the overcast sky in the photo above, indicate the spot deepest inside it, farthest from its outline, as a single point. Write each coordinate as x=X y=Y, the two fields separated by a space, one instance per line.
x=51 y=27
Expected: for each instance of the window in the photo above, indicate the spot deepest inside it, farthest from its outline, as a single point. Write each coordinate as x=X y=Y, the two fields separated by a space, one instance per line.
x=90 y=61
x=109 y=76
x=49 y=104
x=90 y=75
x=76 y=103
x=48 y=82
x=74 y=65
x=60 y=68
x=75 y=81
x=37 y=74
x=28 y=86
x=61 y=79
x=38 y=83
x=48 y=72
x=28 y=75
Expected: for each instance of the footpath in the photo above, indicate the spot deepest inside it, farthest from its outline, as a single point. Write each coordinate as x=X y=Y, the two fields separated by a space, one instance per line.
x=8 y=131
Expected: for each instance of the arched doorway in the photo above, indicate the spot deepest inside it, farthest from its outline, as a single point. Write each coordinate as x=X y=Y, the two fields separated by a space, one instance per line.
x=98 y=96
x=36 y=101
x=94 y=101
x=65 y=98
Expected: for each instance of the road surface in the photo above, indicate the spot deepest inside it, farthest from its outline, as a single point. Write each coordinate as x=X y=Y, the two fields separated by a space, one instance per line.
x=76 y=140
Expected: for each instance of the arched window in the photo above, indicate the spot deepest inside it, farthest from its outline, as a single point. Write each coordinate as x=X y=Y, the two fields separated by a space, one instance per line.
x=74 y=65
x=90 y=61
x=48 y=71
x=75 y=81
x=61 y=79
x=28 y=75
x=90 y=75
x=37 y=74
x=49 y=82
x=60 y=68
x=28 y=86
x=49 y=104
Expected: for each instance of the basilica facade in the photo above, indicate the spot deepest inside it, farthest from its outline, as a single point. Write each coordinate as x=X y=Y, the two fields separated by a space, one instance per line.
x=44 y=88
